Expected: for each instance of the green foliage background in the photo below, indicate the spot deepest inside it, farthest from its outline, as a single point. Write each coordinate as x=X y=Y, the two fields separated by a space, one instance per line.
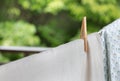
x=50 y=22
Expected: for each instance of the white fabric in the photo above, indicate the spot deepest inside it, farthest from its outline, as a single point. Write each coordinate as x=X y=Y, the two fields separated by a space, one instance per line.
x=67 y=62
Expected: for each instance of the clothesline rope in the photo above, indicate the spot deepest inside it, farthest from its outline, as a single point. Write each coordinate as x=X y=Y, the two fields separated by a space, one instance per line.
x=22 y=49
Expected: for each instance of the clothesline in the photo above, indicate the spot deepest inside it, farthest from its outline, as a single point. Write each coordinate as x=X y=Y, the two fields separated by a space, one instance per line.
x=22 y=49
x=25 y=50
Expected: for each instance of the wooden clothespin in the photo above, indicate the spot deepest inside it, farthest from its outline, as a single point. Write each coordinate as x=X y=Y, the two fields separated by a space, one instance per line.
x=83 y=34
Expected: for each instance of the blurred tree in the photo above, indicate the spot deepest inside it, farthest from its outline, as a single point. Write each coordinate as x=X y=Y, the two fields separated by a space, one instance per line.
x=98 y=12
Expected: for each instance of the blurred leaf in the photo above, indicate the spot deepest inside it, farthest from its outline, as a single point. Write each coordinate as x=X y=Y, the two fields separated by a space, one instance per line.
x=18 y=33
x=55 y=6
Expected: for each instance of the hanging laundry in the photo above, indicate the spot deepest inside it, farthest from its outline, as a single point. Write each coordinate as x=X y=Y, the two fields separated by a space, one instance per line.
x=110 y=36
x=67 y=62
